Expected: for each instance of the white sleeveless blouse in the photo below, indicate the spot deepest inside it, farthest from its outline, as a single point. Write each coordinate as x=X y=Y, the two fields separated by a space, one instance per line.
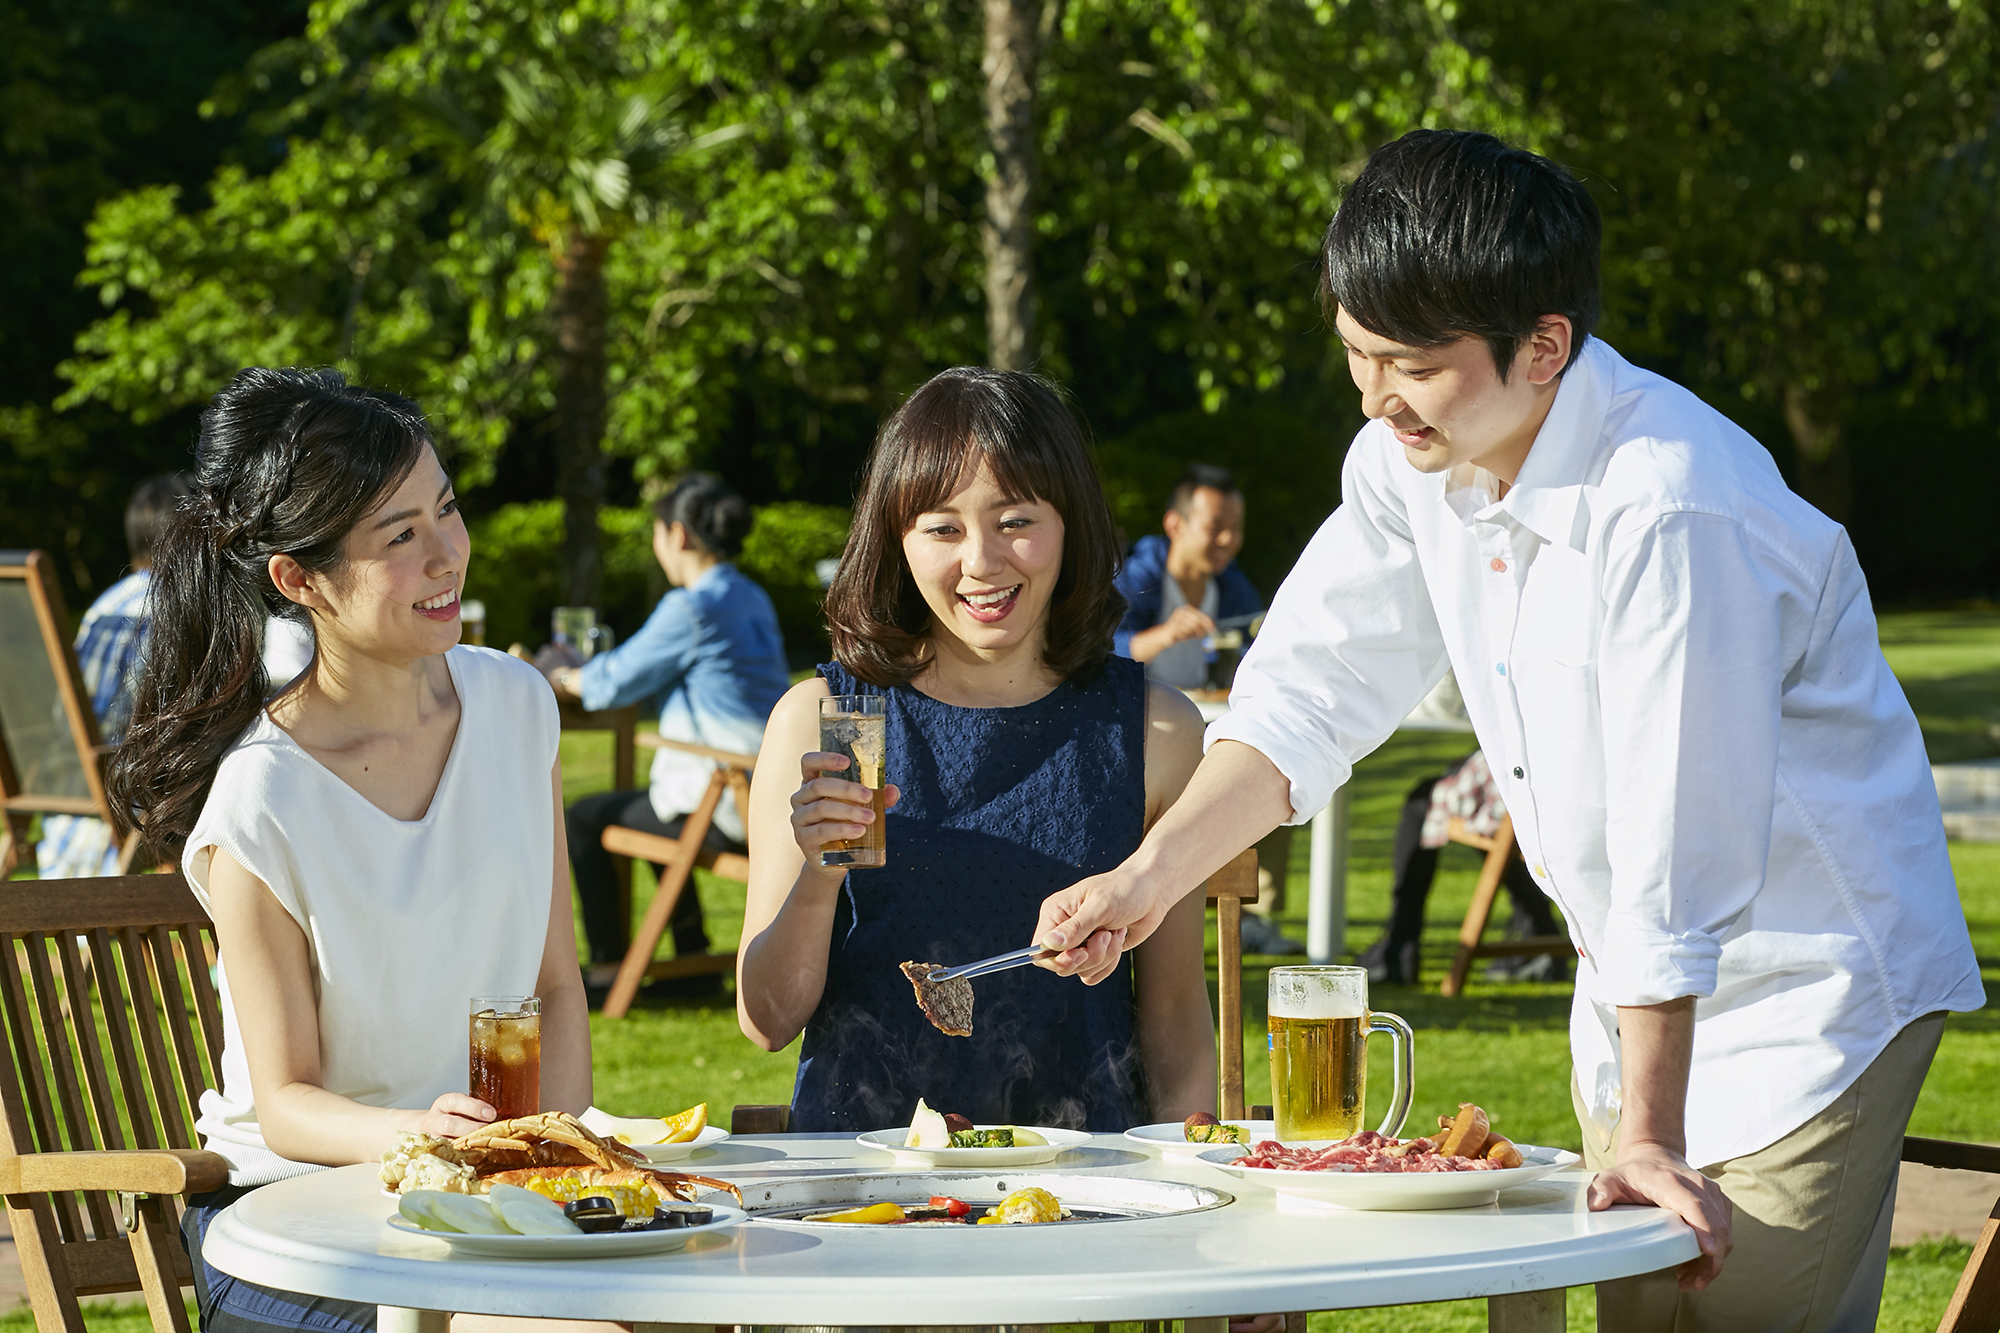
x=405 y=920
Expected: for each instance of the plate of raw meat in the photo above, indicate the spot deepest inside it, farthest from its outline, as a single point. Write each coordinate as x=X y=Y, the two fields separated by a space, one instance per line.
x=1372 y=1172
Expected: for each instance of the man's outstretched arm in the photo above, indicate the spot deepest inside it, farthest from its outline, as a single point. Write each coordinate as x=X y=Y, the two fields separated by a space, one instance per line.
x=1656 y=1045
x=1234 y=798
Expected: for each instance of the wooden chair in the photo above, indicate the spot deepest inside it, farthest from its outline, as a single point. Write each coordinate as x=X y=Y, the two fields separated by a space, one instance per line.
x=677 y=858
x=1228 y=888
x=1498 y=848
x=51 y=758
x=1975 y=1306
x=115 y=1030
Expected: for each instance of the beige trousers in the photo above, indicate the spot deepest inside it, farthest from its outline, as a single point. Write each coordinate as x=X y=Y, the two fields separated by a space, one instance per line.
x=1811 y=1220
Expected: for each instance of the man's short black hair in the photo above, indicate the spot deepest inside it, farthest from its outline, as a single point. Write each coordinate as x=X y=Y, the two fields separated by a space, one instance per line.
x=147 y=512
x=1194 y=478
x=1448 y=232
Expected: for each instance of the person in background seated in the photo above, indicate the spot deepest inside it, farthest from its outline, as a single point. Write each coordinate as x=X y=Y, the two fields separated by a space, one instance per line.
x=1175 y=588
x=109 y=646
x=1465 y=791
x=712 y=656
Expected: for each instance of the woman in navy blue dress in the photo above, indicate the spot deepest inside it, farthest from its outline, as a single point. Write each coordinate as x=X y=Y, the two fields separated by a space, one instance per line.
x=975 y=595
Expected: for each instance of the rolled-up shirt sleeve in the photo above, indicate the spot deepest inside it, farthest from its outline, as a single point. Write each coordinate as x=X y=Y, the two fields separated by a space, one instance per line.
x=651 y=662
x=1349 y=645
x=1690 y=677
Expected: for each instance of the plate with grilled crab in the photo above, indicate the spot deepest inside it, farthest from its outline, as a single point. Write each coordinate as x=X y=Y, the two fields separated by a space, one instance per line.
x=553 y=1153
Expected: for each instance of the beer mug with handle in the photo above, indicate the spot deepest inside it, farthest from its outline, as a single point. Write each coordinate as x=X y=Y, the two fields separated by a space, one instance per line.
x=1319 y=1054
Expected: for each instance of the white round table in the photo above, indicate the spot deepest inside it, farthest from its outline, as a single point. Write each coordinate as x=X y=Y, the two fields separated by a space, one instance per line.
x=327 y=1234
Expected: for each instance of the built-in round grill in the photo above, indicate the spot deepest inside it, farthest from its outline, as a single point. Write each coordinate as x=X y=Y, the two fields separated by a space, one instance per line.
x=1086 y=1199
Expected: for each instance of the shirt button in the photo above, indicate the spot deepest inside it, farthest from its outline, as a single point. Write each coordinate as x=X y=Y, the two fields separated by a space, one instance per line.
x=1500 y=667
x=1498 y=565
x=1540 y=873
x=1519 y=774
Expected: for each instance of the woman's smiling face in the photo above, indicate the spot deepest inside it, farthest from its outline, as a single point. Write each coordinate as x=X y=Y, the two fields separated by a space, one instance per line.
x=397 y=593
x=987 y=562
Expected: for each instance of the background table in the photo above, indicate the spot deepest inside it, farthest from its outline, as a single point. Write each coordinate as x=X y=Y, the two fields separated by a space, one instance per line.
x=623 y=724
x=327 y=1234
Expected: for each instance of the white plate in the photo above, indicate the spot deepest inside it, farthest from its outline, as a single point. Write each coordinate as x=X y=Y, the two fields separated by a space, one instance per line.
x=1395 y=1191
x=607 y=1246
x=673 y=1152
x=1170 y=1137
x=891 y=1141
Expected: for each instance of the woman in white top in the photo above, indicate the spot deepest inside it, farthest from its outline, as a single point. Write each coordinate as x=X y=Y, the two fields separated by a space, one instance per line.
x=379 y=844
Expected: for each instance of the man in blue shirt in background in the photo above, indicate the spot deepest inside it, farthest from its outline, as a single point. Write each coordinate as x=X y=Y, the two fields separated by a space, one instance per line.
x=110 y=647
x=1176 y=589
x=1178 y=586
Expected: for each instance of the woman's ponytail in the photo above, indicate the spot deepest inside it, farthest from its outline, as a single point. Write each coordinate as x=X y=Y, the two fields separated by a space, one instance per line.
x=288 y=463
x=716 y=517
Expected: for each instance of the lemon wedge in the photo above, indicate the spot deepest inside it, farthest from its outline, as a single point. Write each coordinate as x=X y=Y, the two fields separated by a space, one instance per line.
x=643 y=1131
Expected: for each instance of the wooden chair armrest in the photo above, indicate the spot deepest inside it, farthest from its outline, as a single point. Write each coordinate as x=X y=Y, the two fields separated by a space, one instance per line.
x=1951 y=1155
x=133 y=1171
x=730 y=759
x=750 y=1118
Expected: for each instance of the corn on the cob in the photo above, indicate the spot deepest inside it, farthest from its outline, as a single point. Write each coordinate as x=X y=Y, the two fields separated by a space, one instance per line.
x=632 y=1200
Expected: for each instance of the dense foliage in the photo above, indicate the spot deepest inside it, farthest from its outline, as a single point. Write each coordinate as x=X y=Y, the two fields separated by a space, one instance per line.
x=781 y=201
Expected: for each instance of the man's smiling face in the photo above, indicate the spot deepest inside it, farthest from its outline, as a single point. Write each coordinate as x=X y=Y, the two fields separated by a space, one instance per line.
x=1447 y=404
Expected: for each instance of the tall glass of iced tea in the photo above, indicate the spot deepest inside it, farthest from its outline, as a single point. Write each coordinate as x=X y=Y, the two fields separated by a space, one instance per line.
x=1319 y=1054
x=506 y=1053
x=856 y=725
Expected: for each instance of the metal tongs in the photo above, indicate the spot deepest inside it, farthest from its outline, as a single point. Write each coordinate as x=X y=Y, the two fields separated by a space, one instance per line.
x=999 y=962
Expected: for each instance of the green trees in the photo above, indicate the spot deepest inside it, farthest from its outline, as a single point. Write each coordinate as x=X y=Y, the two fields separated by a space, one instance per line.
x=527 y=219
x=608 y=239
x=1798 y=196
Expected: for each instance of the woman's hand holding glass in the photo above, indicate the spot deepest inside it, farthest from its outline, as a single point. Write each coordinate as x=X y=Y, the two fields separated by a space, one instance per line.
x=827 y=809
x=453 y=1115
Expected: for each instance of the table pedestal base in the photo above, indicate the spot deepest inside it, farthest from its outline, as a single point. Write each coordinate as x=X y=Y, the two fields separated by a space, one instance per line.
x=1526 y=1312
x=396 y=1319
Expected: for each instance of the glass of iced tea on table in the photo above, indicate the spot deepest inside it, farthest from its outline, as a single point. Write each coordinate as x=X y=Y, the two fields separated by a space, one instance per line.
x=1319 y=1054
x=856 y=725
x=506 y=1053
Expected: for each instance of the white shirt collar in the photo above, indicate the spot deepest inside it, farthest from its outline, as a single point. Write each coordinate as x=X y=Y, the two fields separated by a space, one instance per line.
x=1546 y=497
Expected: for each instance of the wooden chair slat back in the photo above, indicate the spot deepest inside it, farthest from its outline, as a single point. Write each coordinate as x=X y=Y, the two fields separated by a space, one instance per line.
x=27 y=1114
x=196 y=947
x=171 y=980
x=76 y=996
x=103 y=1053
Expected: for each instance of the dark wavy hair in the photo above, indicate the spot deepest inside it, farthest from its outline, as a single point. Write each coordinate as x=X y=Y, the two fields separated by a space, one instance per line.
x=1452 y=232
x=288 y=462
x=1023 y=428
x=717 y=519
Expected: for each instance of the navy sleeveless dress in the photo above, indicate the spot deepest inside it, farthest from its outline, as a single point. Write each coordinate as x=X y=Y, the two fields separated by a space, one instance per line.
x=1000 y=808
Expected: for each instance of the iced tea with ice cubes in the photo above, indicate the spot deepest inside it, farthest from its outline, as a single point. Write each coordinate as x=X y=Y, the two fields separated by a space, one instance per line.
x=506 y=1053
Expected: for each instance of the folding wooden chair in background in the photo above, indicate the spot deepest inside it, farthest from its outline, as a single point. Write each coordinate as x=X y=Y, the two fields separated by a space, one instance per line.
x=51 y=758
x=677 y=859
x=1498 y=848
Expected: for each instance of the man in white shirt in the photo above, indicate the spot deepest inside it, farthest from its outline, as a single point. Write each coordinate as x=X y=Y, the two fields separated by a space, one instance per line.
x=1672 y=664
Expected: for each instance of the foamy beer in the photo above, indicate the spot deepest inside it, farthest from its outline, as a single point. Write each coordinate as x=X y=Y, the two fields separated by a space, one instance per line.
x=1319 y=1054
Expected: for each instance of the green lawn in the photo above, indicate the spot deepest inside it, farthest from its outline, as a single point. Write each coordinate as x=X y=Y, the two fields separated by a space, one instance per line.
x=1503 y=1044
